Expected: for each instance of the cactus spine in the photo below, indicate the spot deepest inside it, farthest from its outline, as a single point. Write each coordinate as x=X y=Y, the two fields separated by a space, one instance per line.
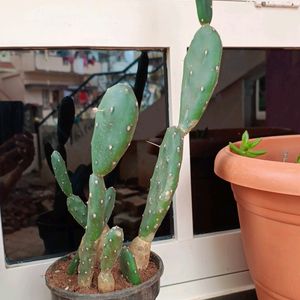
x=200 y=76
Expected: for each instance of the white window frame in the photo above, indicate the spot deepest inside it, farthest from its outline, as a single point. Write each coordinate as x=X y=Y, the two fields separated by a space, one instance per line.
x=194 y=264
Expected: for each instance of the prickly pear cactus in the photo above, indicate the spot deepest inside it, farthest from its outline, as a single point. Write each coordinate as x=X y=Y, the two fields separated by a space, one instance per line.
x=115 y=123
x=200 y=76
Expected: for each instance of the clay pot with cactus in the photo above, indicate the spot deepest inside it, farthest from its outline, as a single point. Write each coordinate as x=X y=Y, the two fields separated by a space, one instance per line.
x=102 y=255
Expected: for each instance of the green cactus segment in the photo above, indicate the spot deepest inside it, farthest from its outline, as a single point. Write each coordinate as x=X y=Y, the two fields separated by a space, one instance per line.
x=200 y=76
x=246 y=147
x=128 y=267
x=109 y=203
x=95 y=221
x=73 y=265
x=204 y=10
x=163 y=183
x=61 y=173
x=77 y=209
x=95 y=225
x=115 y=123
x=113 y=243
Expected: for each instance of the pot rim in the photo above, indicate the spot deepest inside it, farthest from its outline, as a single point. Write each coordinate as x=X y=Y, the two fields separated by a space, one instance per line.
x=259 y=173
x=112 y=295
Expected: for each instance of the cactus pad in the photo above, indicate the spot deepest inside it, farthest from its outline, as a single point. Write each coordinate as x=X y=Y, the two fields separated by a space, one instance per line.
x=200 y=76
x=61 y=173
x=109 y=203
x=95 y=225
x=77 y=209
x=72 y=267
x=115 y=123
x=128 y=267
x=163 y=182
x=204 y=10
x=113 y=242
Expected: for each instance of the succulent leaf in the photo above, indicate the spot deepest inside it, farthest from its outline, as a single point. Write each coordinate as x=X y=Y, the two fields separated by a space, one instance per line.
x=246 y=147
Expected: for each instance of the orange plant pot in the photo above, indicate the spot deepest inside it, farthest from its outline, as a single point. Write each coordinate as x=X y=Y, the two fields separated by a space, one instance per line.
x=267 y=192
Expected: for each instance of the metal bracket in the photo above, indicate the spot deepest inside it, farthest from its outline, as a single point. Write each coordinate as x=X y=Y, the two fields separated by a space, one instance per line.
x=277 y=3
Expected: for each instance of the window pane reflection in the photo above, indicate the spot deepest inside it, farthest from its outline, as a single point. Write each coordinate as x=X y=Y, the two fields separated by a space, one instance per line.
x=33 y=84
x=258 y=90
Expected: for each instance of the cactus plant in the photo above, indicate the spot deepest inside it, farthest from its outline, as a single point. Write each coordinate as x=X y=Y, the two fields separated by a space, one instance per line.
x=115 y=123
x=200 y=76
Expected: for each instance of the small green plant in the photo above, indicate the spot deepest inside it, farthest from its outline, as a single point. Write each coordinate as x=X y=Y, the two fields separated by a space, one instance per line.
x=246 y=146
x=115 y=123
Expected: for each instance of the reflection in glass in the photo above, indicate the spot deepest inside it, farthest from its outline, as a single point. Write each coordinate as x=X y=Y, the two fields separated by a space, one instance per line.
x=258 y=90
x=47 y=101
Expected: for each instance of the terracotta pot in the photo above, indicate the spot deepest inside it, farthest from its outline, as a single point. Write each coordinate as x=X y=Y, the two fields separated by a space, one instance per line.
x=146 y=291
x=267 y=192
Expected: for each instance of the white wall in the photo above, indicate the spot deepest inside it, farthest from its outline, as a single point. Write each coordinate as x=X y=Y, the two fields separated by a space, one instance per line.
x=144 y=23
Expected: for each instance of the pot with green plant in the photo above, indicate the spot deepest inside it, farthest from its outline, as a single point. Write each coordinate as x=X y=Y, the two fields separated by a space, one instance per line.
x=265 y=183
x=104 y=268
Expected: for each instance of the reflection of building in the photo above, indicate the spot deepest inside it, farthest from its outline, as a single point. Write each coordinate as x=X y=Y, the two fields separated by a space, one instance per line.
x=42 y=78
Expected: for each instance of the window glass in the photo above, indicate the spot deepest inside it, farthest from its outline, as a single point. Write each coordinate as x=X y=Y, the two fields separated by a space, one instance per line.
x=258 y=90
x=33 y=84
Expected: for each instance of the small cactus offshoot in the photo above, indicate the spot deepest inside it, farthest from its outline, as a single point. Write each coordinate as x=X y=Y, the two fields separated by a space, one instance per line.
x=115 y=122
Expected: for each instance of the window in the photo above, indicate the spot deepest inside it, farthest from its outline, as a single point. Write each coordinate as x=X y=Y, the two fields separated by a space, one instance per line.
x=34 y=207
x=253 y=84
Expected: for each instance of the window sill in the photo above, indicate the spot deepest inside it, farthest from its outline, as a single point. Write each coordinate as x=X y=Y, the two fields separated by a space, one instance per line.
x=208 y=288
